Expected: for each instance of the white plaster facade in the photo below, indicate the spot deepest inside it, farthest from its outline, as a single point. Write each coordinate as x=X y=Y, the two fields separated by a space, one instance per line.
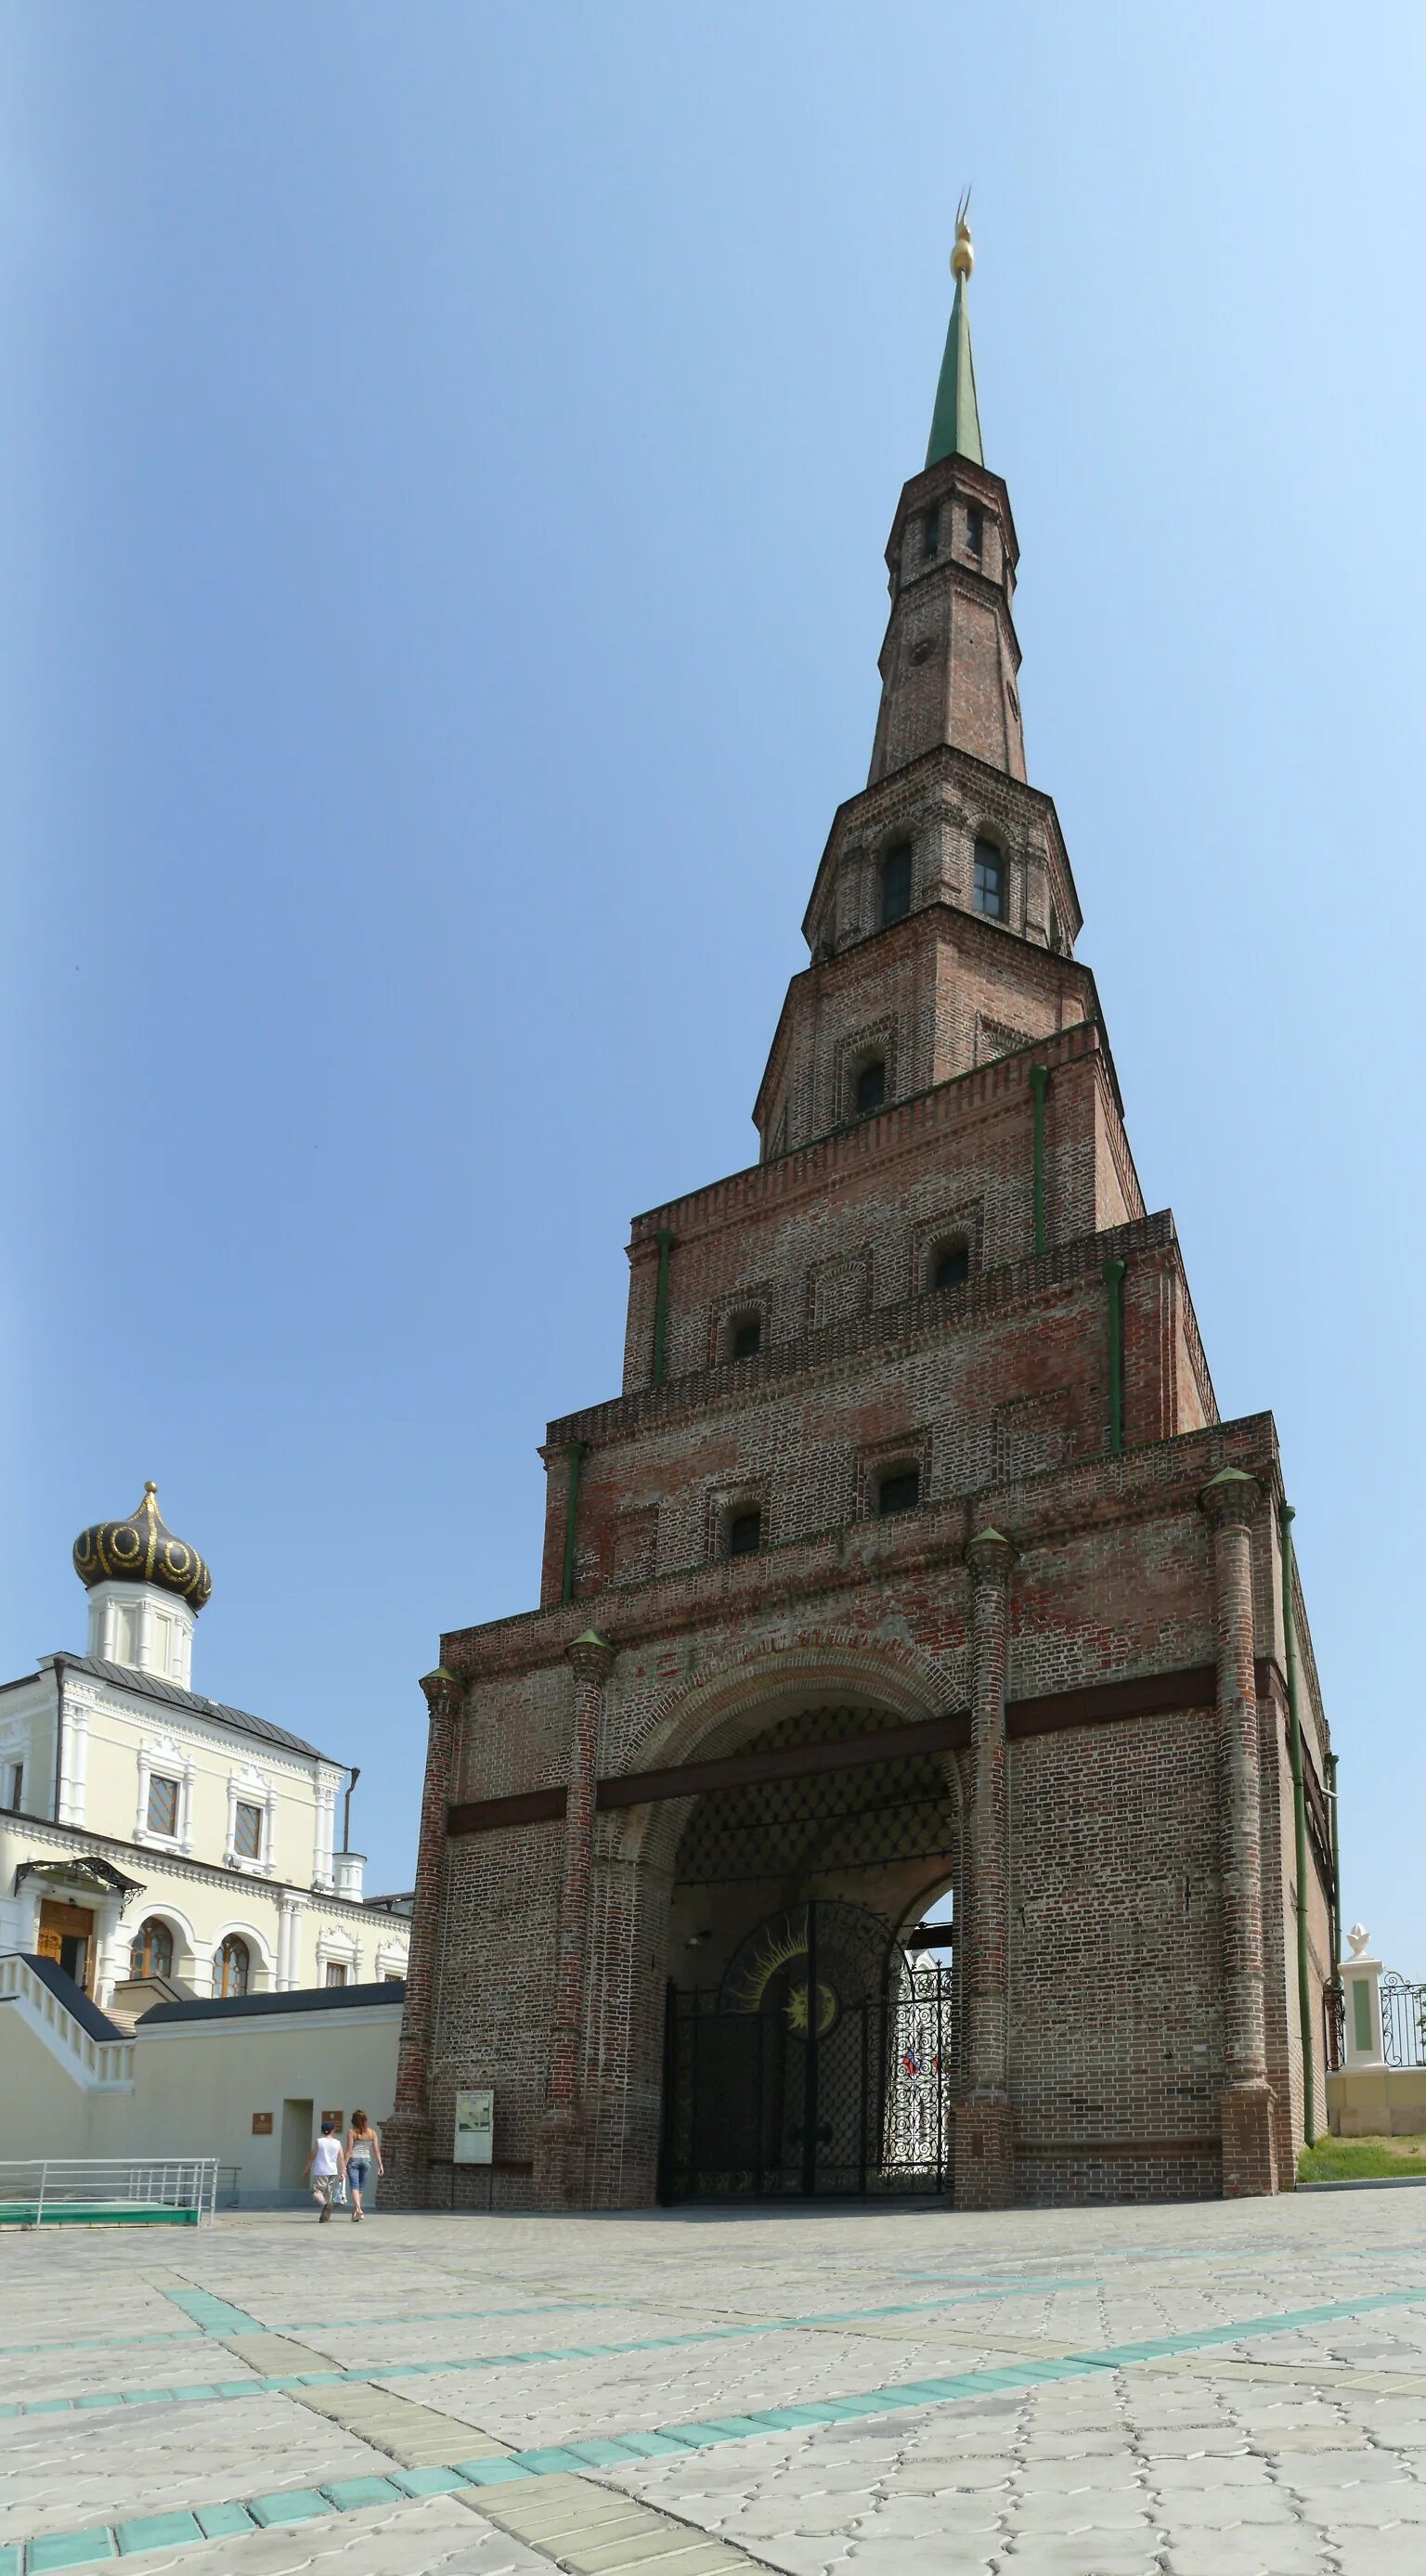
x=217 y=1827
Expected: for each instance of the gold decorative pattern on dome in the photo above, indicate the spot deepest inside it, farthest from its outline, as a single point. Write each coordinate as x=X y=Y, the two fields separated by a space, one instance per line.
x=141 y=1550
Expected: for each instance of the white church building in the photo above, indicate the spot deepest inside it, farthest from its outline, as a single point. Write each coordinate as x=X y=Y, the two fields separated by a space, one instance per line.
x=148 y=1833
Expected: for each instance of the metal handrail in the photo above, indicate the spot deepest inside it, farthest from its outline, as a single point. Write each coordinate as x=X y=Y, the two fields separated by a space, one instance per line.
x=162 y=2182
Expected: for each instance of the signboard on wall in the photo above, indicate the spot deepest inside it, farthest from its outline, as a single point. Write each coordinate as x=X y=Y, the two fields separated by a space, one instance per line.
x=262 y=2124
x=475 y=2128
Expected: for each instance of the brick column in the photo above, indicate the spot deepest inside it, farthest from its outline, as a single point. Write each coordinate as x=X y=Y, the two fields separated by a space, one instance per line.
x=985 y=2176
x=561 y=2149
x=406 y=2136
x=1233 y=1502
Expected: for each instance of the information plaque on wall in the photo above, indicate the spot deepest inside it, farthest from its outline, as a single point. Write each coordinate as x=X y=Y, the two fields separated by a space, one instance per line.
x=475 y=2128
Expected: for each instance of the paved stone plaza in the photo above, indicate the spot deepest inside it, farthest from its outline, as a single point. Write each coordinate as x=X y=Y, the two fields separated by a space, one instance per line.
x=1221 y=2389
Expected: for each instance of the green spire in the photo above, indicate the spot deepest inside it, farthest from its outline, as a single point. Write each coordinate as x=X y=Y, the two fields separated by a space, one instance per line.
x=955 y=423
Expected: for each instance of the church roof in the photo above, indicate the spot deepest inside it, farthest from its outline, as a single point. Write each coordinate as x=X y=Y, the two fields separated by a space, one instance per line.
x=140 y=1549
x=148 y=1686
x=955 y=422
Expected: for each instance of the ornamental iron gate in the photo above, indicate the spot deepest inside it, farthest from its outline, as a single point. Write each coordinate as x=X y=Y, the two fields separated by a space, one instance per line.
x=767 y=2097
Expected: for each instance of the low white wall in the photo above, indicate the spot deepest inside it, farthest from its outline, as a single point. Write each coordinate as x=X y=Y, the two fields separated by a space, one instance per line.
x=197 y=2086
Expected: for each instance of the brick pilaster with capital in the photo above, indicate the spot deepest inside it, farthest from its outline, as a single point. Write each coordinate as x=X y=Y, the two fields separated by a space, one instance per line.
x=984 y=2152
x=406 y=2138
x=562 y=2147
x=1232 y=1502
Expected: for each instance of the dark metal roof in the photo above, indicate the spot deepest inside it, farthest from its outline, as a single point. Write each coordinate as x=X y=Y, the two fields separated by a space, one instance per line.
x=299 y=1999
x=149 y=1687
x=73 y=1997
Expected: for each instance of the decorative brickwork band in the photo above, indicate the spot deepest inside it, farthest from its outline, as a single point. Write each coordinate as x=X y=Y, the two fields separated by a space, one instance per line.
x=984 y=2165
x=561 y=2150
x=407 y=2134
x=1233 y=1503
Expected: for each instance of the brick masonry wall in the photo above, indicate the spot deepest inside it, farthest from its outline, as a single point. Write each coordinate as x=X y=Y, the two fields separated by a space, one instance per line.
x=1113 y=1828
x=956 y=1162
x=1004 y=1376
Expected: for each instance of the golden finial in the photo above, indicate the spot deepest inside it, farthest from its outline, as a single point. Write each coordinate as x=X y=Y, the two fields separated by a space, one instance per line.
x=963 y=250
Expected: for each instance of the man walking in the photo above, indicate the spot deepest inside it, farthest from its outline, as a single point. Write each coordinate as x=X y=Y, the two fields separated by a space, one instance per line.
x=326 y=2165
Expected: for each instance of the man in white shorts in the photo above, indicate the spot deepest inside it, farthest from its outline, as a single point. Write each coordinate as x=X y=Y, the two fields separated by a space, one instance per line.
x=326 y=2165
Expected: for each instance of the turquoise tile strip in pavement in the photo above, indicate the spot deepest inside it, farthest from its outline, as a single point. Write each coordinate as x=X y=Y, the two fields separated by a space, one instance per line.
x=58 y=2550
x=236 y=2321
x=303 y=2325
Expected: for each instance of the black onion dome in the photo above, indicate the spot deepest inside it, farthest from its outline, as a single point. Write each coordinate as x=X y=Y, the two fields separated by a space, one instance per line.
x=141 y=1550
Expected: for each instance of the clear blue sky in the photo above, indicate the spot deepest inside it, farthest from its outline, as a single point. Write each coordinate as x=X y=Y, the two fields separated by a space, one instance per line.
x=450 y=452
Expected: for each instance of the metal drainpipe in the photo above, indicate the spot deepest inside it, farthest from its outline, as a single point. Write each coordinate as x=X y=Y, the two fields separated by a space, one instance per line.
x=665 y=1245
x=1286 y=1516
x=1039 y=1085
x=1114 y=1281
x=353 y=1775
x=1334 y=1869
x=576 y=1461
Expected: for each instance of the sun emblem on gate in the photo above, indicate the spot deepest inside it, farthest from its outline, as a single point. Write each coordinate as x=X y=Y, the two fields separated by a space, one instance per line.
x=795 y=2008
x=764 y=1977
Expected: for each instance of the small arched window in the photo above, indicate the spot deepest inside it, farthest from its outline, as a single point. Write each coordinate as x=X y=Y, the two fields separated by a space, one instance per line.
x=745 y=1337
x=896 y=883
x=930 y=532
x=869 y=1089
x=152 y=1952
x=899 y=1492
x=975 y=532
x=232 y=1967
x=745 y=1533
x=989 y=881
x=950 y=1263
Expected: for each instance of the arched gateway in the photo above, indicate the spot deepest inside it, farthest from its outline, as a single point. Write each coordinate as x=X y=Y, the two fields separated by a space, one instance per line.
x=912 y=1575
x=814 y=1882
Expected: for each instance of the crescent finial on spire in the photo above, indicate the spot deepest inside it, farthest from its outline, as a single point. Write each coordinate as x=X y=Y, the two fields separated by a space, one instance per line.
x=963 y=248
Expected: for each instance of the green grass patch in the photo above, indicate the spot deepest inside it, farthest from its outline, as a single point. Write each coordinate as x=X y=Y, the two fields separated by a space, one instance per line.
x=1361 y=2159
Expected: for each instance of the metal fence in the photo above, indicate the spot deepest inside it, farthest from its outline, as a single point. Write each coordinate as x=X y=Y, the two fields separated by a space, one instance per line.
x=1403 y=2021
x=758 y=2106
x=98 y=2190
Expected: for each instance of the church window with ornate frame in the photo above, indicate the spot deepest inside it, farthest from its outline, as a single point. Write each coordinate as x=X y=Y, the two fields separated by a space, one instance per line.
x=232 y=1967
x=989 y=881
x=247 y=1830
x=337 y=1972
x=151 y=1952
x=896 y=883
x=161 y=1816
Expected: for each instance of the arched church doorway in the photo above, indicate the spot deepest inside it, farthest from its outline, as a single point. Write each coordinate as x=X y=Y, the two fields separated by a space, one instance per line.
x=812 y=2045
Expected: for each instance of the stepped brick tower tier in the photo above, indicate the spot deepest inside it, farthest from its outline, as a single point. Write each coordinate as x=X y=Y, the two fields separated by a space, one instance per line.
x=914 y=1778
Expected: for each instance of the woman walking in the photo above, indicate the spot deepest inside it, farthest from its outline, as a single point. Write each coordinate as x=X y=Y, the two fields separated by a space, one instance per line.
x=363 y=2149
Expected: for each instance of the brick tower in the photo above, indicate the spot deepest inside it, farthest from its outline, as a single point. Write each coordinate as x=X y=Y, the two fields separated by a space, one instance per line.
x=912 y=1581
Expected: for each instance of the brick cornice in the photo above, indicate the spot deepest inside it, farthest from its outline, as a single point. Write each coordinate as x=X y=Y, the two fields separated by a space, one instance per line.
x=957 y=924
x=1140 y=1485
x=911 y=1321
x=806 y=1170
